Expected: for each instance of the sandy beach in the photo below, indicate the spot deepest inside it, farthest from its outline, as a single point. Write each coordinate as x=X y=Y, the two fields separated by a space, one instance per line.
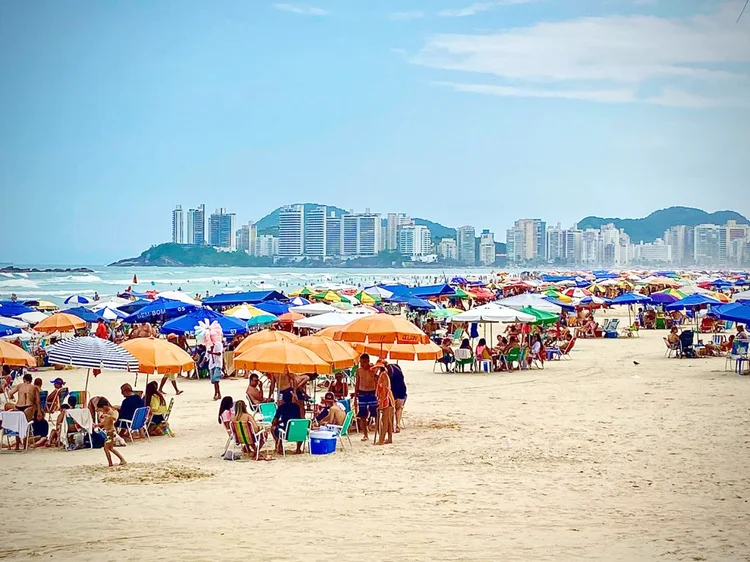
x=595 y=458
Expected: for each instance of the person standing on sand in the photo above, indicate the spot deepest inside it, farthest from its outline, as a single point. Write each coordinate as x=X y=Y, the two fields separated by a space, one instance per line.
x=386 y=403
x=364 y=391
x=107 y=419
x=215 y=356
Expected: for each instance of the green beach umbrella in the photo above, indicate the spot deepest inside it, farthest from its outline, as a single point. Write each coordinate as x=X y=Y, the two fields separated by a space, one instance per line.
x=542 y=316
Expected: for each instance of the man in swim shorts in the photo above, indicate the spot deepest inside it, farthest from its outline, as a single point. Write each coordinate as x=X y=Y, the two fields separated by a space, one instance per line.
x=364 y=390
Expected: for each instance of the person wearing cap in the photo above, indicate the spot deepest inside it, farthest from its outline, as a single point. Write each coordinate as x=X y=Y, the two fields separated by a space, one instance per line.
x=130 y=403
x=332 y=413
x=53 y=398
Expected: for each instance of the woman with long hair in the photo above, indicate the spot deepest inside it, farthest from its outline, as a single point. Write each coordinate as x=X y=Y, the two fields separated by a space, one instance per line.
x=155 y=400
x=242 y=415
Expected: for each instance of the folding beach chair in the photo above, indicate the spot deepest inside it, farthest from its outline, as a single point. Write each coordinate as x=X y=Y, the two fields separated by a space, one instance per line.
x=672 y=349
x=297 y=431
x=81 y=396
x=343 y=430
x=139 y=422
x=739 y=351
x=611 y=330
x=464 y=357
x=165 y=423
x=268 y=412
x=512 y=356
x=15 y=426
x=244 y=436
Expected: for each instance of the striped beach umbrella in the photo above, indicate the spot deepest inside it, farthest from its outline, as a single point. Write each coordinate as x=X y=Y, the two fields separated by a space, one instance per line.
x=77 y=299
x=93 y=353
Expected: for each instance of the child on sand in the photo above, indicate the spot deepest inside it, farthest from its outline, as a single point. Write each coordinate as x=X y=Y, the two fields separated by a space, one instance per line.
x=107 y=419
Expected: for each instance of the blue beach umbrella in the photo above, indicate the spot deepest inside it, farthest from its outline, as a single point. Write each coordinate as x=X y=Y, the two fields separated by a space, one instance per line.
x=77 y=299
x=108 y=313
x=131 y=307
x=11 y=308
x=84 y=314
x=696 y=300
x=273 y=307
x=9 y=330
x=734 y=312
x=630 y=298
x=299 y=301
x=186 y=324
x=161 y=308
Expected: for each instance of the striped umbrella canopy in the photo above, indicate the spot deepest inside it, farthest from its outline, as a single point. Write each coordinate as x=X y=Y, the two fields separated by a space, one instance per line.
x=93 y=353
x=9 y=330
x=77 y=299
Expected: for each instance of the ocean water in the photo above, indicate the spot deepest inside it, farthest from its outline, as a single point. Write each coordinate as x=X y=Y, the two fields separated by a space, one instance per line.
x=108 y=281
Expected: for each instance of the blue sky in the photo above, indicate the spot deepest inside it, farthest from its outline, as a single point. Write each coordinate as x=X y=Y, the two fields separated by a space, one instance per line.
x=466 y=113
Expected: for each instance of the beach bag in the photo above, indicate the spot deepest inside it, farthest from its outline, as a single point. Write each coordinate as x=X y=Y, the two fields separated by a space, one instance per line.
x=96 y=440
x=232 y=456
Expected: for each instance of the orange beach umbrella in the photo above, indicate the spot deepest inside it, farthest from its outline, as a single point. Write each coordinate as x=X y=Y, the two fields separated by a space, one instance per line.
x=401 y=351
x=281 y=357
x=382 y=328
x=14 y=356
x=158 y=356
x=337 y=354
x=264 y=336
x=60 y=322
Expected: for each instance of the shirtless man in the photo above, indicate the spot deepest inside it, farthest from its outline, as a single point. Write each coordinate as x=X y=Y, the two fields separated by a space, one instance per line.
x=332 y=413
x=107 y=419
x=28 y=397
x=255 y=390
x=364 y=391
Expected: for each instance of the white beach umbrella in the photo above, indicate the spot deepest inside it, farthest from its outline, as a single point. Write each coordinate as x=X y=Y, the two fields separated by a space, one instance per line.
x=375 y=290
x=534 y=300
x=114 y=302
x=313 y=309
x=493 y=312
x=33 y=317
x=180 y=296
x=13 y=322
x=325 y=320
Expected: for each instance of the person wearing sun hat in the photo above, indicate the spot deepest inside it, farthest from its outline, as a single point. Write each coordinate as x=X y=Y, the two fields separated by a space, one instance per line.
x=53 y=398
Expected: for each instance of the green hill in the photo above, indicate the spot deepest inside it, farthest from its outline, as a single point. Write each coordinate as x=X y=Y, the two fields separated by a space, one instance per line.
x=179 y=255
x=650 y=228
x=437 y=230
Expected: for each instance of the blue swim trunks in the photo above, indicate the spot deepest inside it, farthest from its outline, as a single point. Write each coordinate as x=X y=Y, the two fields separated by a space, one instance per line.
x=216 y=374
x=368 y=403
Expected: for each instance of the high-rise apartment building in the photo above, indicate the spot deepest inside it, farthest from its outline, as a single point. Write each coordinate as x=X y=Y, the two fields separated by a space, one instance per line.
x=528 y=240
x=737 y=236
x=246 y=236
x=178 y=224
x=555 y=244
x=315 y=236
x=333 y=235
x=266 y=246
x=487 y=248
x=360 y=234
x=448 y=249
x=222 y=230
x=710 y=245
x=196 y=226
x=292 y=231
x=681 y=239
x=394 y=222
x=414 y=241
x=466 y=245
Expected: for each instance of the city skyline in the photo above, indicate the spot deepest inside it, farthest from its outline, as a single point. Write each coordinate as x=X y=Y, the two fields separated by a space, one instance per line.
x=604 y=108
x=317 y=232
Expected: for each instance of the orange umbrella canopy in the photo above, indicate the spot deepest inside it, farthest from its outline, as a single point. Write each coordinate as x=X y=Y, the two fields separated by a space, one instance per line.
x=329 y=332
x=337 y=354
x=401 y=351
x=264 y=336
x=281 y=357
x=14 y=356
x=289 y=317
x=382 y=328
x=158 y=356
x=60 y=322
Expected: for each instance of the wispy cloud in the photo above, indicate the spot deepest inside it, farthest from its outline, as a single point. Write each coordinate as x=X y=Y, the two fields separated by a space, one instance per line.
x=699 y=61
x=406 y=16
x=300 y=9
x=479 y=7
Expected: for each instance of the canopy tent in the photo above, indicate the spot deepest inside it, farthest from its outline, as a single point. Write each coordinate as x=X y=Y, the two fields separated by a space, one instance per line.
x=11 y=308
x=249 y=297
x=160 y=309
x=442 y=290
x=412 y=302
x=534 y=300
x=187 y=324
x=327 y=320
x=313 y=309
x=179 y=296
x=84 y=314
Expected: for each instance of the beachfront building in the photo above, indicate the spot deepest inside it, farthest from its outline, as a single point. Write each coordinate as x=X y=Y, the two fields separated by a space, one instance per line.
x=487 y=248
x=266 y=246
x=222 y=230
x=738 y=238
x=315 y=235
x=333 y=235
x=246 y=236
x=178 y=225
x=361 y=234
x=414 y=241
x=527 y=241
x=291 y=231
x=196 y=226
x=448 y=249
x=681 y=238
x=465 y=239
x=393 y=224
x=710 y=245
x=652 y=252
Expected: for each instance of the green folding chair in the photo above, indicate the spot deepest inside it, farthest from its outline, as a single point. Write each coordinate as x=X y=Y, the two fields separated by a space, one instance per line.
x=268 y=411
x=297 y=431
x=343 y=430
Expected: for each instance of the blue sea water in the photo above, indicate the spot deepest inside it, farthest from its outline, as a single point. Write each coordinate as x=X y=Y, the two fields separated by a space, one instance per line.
x=108 y=281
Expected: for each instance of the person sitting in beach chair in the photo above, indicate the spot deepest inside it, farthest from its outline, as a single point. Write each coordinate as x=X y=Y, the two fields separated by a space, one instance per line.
x=331 y=413
x=588 y=330
x=287 y=410
x=243 y=416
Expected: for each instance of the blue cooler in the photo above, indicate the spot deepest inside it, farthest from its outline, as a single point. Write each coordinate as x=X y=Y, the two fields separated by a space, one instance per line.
x=322 y=442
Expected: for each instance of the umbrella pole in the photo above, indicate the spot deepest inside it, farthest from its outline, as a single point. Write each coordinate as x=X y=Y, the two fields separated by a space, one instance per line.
x=87 y=380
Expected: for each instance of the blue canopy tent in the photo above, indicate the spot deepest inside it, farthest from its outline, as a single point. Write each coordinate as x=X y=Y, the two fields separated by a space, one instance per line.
x=249 y=297
x=9 y=330
x=131 y=307
x=273 y=307
x=459 y=281
x=11 y=308
x=604 y=274
x=734 y=312
x=442 y=290
x=557 y=278
x=397 y=289
x=187 y=323
x=84 y=314
x=161 y=309
x=412 y=302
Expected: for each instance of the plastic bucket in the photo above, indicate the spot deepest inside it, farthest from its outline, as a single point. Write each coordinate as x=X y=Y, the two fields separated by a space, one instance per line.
x=322 y=442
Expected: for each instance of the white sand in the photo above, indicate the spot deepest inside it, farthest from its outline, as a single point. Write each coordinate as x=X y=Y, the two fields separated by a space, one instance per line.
x=590 y=459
